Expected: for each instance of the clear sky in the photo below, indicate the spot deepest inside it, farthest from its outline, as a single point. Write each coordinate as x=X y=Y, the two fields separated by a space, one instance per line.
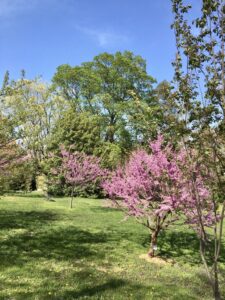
x=39 y=35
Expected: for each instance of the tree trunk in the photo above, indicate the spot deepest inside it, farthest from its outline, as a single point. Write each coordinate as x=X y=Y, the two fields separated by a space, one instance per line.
x=153 y=244
x=212 y=276
x=216 y=290
x=71 y=200
x=111 y=129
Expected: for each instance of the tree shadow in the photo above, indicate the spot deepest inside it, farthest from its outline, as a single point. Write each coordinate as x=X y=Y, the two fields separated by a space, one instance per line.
x=25 y=219
x=38 y=239
x=179 y=245
x=111 y=284
x=32 y=236
x=184 y=246
x=105 y=209
x=118 y=288
x=60 y=244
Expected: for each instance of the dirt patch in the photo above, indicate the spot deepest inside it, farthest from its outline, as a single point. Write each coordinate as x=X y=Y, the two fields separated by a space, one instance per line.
x=117 y=269
x=109 y=270
x=109 y=203
x=156 y=260
x=102 y=269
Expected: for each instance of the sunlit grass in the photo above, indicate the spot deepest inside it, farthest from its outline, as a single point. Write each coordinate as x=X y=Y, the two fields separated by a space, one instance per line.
x=49 y=251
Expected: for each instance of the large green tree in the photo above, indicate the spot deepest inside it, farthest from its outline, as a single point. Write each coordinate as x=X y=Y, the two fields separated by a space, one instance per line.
x=108 y=87
x=82 y=132
x=32 y=109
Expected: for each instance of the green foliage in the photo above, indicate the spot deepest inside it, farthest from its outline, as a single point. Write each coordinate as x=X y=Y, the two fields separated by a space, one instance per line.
x=32 y=108
x=15 y=174
x=200 y=95
x=106 y=87
x=111 y=154
x=18 y=177
x=82 y=131
x=199 y=86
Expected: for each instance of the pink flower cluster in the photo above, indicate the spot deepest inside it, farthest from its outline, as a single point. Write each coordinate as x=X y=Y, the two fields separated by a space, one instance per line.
x=159 y=184
x=80 y=169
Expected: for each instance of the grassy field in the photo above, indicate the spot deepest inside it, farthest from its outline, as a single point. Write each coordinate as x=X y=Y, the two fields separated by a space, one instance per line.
x=48 y=251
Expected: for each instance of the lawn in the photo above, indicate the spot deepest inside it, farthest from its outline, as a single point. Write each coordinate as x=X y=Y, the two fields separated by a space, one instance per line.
x=48 y=251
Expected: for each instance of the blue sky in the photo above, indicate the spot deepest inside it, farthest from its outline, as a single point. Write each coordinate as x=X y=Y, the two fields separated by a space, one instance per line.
x=39 y=35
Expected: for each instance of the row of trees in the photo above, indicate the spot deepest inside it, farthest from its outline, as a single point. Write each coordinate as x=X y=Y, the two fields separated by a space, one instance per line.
x=106 y=108
x=158 y=187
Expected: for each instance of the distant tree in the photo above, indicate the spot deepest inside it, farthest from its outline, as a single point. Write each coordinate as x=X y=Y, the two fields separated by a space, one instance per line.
x=80 y=130
x=32 y=109
x=12 y=159
x=171 y=124
x=5 y=81
x=78 y=85
x=80 y=169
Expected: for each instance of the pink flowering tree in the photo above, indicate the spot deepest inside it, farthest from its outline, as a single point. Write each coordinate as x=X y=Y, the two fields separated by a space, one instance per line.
x=80 y=169
x=153 y=189
x=13 y=160
x=203 y=205
x=11 y=154
x=196 y=201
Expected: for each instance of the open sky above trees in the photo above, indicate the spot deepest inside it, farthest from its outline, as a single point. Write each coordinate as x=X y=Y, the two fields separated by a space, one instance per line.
x=39 y=35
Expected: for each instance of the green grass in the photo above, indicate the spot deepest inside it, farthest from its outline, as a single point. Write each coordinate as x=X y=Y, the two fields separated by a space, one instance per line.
x=48 y=251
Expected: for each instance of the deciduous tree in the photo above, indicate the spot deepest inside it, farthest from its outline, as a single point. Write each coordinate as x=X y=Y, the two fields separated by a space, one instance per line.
x=199 y=83
x=80 y=169
x=154 y=189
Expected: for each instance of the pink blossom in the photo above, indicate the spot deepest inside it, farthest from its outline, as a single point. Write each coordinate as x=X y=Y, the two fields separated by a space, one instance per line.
x=80 y=169
x=160 y=183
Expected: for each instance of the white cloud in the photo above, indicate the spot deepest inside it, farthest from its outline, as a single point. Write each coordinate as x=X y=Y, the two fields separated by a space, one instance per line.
x=103 y=37
x=9 y=8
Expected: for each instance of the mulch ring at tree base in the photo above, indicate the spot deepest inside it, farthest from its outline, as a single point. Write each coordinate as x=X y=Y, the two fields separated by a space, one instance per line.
x=157 y=260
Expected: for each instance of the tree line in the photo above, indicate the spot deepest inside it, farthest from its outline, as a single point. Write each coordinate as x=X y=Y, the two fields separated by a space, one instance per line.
x=106 y=107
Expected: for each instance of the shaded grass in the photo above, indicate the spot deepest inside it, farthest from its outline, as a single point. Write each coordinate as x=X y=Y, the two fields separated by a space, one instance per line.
x=48 y=251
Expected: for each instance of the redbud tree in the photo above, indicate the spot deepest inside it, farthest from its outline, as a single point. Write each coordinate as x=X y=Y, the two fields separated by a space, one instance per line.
x=13 y=161
x=152 y=188
x=80 y=169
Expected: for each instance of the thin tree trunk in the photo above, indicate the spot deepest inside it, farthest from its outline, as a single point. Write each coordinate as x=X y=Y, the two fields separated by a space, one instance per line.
x=216 y=289
x=72 y=196
x=153 y=244
x=213 y=278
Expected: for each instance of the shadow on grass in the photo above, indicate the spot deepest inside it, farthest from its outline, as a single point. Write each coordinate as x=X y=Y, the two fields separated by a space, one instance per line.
x=173 y=244
x=105 y=209
x=84 y=293
x=182 y=246
x=112 y=284
x=38 y=239
x=95 y=290
x=59 y=244
x=25 y=219
x=105 y=287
